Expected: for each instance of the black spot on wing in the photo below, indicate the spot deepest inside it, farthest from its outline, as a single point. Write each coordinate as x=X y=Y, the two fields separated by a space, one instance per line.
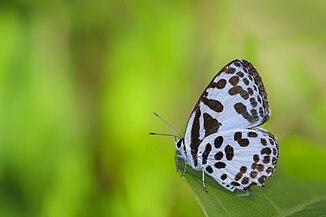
x=209 y=169
x=253 y=174
x=266 y=150
x=235 y=184
x=266 y=159
x=243 y=142
x=211 y=125
x=261 y=112
x=218 y=155
x=230 y=70
x=252 y=134
x=253 y=102
x=234 y=80
x=237 y=136
x=238 y=90
x=220 y=165
x=260 y=167
x=241 y=109
x=262 y=179
x=195 y=137
x=218 y=141
x=243 y=169
x=269 y=170
x=214 y=105
x=246 y=81
x=240 y=74
x=238 y=176
x=256 y=158
x=245 y=180
x=250 y=91
x=229 y=152
x=237 y=63
x=220 y=84
x=208 y=149
x=224 y=176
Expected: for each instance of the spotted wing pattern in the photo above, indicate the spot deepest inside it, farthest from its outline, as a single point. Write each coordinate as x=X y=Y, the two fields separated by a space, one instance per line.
x=239 y=158
x=235 y=98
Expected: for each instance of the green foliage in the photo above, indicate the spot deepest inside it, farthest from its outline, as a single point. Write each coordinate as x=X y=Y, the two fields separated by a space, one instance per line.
x=79 y=81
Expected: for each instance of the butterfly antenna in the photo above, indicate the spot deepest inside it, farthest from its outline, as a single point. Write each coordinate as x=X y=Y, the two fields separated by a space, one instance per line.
x=163 y=134
x=167 y=123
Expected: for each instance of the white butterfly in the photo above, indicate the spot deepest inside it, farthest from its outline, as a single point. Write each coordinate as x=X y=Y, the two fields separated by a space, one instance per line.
x=222 y=139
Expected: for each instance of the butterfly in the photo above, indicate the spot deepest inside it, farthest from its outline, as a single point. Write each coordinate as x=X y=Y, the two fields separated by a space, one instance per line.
x=223 y=139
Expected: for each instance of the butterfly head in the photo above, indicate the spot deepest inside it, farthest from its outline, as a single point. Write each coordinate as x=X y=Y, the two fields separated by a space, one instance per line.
x=179 y=144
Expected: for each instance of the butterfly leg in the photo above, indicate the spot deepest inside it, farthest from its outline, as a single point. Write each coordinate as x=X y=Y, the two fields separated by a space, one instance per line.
x=244 y=194
x=247 y=193
x=203 y=179
x=184 y=169
x=177 y=157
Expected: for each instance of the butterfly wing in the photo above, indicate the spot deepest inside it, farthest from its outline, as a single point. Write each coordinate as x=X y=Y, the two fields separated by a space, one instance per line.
x=235 y=98
x=240 y=158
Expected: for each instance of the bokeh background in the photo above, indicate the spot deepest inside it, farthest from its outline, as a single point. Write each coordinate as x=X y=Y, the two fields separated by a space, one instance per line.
x=79 y=81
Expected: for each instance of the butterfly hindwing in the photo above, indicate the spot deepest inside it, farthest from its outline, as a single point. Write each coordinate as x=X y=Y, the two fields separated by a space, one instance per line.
x=239 y=158
x=235 y=98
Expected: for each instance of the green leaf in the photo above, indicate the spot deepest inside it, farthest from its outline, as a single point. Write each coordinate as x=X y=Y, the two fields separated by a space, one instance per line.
x=284 y=194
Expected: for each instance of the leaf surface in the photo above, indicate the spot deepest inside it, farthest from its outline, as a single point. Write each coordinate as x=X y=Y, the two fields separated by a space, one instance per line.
x=283 y=195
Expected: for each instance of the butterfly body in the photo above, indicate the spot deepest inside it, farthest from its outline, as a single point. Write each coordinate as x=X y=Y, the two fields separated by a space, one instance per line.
x=222 y=137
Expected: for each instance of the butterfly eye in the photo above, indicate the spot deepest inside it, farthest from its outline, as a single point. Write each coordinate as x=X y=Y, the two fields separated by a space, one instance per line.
x=179 y=143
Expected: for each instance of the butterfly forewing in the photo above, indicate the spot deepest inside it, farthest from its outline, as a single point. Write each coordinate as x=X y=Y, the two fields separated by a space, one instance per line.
x=235 y=98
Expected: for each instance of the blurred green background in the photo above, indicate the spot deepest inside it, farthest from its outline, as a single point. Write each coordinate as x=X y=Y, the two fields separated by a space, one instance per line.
x=79 y=81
